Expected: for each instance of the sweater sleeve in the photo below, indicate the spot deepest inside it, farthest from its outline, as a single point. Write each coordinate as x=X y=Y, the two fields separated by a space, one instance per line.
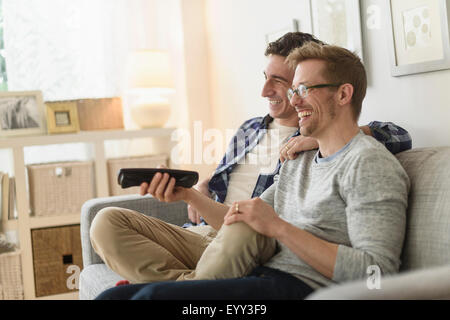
x=375 y=191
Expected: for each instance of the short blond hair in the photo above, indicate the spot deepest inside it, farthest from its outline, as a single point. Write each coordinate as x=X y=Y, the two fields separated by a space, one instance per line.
x=342 y=66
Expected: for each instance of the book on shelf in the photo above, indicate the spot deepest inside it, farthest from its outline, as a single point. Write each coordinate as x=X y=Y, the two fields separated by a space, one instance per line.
x=8 y=208
x=12 y=210
x=5 y=197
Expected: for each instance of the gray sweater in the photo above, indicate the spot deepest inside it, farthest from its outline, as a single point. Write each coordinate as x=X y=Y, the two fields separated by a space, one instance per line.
x=356 y=198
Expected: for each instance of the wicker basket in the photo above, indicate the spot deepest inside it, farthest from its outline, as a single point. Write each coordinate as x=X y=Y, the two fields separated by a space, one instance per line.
x=135 y=162
x=54 y=251
x=60 y=188
x=11 y=283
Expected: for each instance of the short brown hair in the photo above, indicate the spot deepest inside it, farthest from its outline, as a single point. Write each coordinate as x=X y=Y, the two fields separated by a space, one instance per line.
x=288 y=42
x=342 y=66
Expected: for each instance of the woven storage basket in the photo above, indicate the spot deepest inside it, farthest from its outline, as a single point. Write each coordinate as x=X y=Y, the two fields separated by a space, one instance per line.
x=114 y=165
x=60 y=188
x=11 y=283
x=54 y=251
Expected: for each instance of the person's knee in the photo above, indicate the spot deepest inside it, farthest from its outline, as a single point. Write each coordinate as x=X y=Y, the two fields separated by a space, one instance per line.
x=103 y=226
x=236 y=243
x=237 y=236
x=99 y=223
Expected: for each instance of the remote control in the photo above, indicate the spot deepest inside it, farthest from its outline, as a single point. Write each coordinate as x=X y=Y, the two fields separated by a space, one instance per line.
x=130 y=177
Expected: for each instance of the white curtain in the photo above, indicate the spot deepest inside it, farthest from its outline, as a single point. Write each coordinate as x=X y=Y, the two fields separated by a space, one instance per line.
x=73 y=49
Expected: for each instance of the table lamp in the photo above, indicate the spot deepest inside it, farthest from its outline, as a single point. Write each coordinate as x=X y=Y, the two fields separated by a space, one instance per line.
x=150 y=85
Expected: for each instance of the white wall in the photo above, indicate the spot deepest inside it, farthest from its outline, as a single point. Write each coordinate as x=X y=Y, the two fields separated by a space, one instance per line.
x=236 y=28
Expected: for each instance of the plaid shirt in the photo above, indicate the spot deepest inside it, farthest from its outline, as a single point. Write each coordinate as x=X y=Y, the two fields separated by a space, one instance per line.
x=394 y=138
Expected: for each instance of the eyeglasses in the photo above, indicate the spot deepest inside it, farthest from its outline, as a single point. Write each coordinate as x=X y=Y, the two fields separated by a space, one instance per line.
x=302 y=90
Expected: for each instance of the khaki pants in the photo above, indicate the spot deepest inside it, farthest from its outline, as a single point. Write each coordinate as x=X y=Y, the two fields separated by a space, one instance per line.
x=145 y=249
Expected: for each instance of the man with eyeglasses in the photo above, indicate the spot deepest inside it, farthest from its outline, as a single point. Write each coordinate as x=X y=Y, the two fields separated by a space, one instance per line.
x=349 y=211
x=162 y=188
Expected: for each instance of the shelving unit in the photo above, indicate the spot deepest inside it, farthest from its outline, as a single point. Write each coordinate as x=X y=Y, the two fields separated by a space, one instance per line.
x=25 y=223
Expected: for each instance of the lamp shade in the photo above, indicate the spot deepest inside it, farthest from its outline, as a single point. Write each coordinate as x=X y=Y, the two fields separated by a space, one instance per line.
x=149 y=69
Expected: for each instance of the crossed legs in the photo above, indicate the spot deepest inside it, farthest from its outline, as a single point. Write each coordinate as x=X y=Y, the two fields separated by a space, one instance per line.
x=145 y=249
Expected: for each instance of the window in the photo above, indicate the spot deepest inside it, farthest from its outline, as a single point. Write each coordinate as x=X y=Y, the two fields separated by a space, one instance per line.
x=72 y=49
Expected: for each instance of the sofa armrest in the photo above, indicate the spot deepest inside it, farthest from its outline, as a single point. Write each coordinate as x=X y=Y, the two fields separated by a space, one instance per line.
x=425 y=284
x=175 y=213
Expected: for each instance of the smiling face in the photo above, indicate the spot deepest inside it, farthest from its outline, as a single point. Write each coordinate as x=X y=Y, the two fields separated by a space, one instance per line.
x=317 y=111
x=278 y=79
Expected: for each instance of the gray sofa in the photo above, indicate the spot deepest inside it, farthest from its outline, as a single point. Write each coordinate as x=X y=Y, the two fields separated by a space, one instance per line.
x=425 y=269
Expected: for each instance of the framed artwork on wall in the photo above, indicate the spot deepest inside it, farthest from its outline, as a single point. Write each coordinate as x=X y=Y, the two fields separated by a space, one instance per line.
x=337 y=22
x=22 y=113
x=418 y=35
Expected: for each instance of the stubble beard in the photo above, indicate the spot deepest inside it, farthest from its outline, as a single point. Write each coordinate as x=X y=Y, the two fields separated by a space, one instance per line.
x=308 y=131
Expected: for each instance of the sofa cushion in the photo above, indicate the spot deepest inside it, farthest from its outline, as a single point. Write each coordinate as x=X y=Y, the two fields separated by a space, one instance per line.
x=427 y=240
x=96 y=278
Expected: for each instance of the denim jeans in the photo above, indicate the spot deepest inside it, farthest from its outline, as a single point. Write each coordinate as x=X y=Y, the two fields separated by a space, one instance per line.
x=261 y=284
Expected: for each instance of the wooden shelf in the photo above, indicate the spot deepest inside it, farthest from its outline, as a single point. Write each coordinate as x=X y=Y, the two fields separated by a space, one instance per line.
x=54 y=221
x=83 y=136
x=25 y=223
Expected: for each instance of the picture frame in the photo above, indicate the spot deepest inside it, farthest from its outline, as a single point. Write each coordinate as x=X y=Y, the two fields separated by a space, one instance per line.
x=275 y=35
x=337 y=22
x=418 y=36
x=22 y=113
x=62 y=117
